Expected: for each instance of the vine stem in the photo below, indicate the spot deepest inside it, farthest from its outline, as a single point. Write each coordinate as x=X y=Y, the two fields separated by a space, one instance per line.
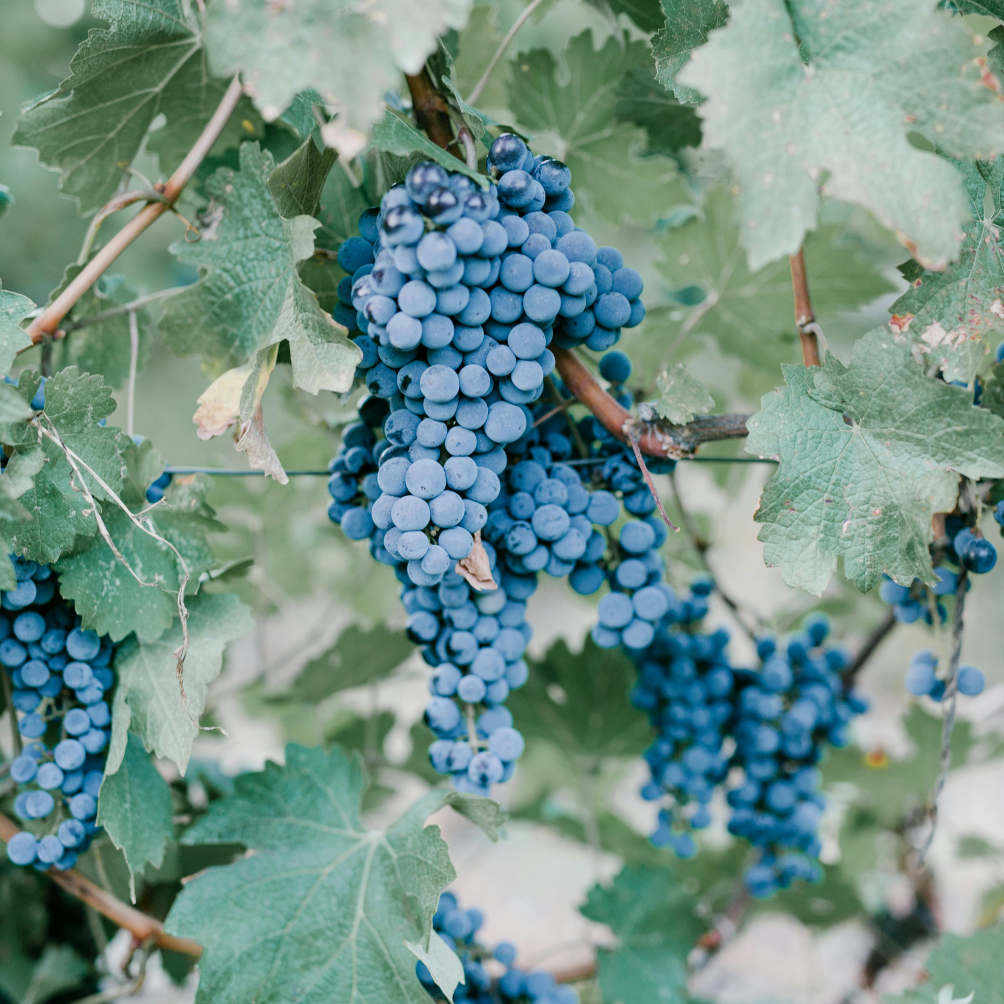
x=142 y=926
x=949 y=702
x=503 y=45
x=133 y=359
x=867 y=650
x=46 y=323
x=432 y=113
x=646 y=474
x=805 y=319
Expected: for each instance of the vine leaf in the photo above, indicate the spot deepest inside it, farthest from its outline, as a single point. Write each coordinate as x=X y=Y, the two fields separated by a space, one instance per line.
x=322 y=907
x=74 y=403
x=950 y=313
x=443 y=963
x=17 y=477
x=830 y=114
x=688 y=24
x=703 y=262
x=105 y=594
x=134 y=807
x=575 y=121
x=868 y=454
x=654 y=921
x=148 y=699
x=250 y=295
x=328 y=36
x=297 y=182
x=149 y=62
x=14 y=308
x=393 y=135
x=681 y=395
x=643 y=101
x=103 y=347
x=578 y=702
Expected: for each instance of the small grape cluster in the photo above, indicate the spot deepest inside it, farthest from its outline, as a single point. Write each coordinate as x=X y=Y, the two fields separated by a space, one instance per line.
x=459 y=928
x=61 y=677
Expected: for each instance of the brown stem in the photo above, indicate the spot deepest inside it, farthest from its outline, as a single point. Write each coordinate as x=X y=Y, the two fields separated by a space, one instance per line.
x=633 y=440
x=140 y=925
x=867 y=650
x=47 y=322
x=656 y=439
x=805 y=319
x=432 y=113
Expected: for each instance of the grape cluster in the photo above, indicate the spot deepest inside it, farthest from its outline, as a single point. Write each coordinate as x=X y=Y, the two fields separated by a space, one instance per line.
x=61 y=679
x=459 y=928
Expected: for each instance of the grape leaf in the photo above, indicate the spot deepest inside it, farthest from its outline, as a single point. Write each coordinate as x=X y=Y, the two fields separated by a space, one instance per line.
x=970 y=966
x=74 y=402
x=103 y=347
x=643 y=101
x=681 y=395
x=950 y=313
x=393 y=135
x=656 y=927
x=322 y=908
x=988 y=8
x=575 y=121
x=104 y=592
x=148 y=698
x=751 y=315
x=647 y=14
x=830 y=113
x=357 y=657
x=993 y=390
x=443 y=963
x=688 y=24
x=58 y=970
x=329 y=37
x=250 y=295
x=868 y=454
x=149 y=62
x=134 y=807
x=296 y=184
x=14 y=308
x=578 y=701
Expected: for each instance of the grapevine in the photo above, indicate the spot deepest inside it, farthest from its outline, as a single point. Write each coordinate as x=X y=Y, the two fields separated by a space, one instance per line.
x=524 y=321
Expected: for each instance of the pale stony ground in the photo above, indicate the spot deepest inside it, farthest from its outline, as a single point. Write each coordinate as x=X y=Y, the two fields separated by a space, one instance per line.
x=531 y=884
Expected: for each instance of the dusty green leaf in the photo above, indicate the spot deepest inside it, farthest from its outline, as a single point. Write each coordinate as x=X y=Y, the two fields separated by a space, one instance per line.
x=647 y=14
x=951 y=313
x=296 y=184
x=393 y=135
x=868 y=454
x=321 y=909
x=688 y=24
x=329 y=38
x=749 y=314
x=105 y=593
x=681 y=395
x=656 y=928
x=148 y=697
x=830 y=113
x=571 y=110
x=74 y=402
x=150 y=61
x=250 y=295
x=14 y=308
x=578 y=701
x=644 y=102
x=134 y=807
x=443 y=963
x=17 y=477
x=993 y=390
x=358 y=657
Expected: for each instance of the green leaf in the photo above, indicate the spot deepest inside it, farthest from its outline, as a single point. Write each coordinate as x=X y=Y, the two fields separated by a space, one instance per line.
x=643 y=101
x=296 y=184
x=148 y=698
x=868 y=454
x=826 y=108
x=102 y=348
x=688 y=24
x=653 y=919
x=322 y=908
x=647 y=14
x=250 y=295
x=951 y=313
x=357 y=657
x=349 y=55
x=969 y=966
x=751 y=315
x=104 y=592
x=58 y=970
x=572 y=110
x=578 y=701
x=149 y=62
x=443 y=963
x=681 y=395
x=988 y=8
x=74 y=402
x=17 y=477
x=14 y=308
x=134 y=807
x=993 y=390
x=393 y=135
